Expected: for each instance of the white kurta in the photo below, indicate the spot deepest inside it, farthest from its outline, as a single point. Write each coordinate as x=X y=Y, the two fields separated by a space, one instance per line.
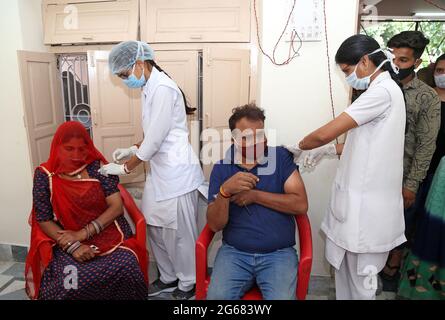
x=174 y=167
x=365 y=220
x=365 y=214
x=174 y=249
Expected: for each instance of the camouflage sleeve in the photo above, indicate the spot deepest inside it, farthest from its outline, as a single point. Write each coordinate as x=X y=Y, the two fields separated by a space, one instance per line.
x=428 y=125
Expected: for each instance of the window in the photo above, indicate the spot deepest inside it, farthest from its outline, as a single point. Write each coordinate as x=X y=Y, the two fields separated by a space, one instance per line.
x=382 y=31
x=74 y=74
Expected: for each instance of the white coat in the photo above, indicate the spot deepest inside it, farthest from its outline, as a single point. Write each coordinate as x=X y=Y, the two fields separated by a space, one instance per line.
x=365 y=214
x=174 y=167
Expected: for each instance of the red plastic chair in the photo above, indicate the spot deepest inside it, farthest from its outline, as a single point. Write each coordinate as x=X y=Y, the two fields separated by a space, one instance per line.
x=304 y=266
x=140 y=227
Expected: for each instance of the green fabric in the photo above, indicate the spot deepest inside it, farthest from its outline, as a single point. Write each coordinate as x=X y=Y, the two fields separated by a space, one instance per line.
x=423 y=280
x=423 y=271
x=435 y=203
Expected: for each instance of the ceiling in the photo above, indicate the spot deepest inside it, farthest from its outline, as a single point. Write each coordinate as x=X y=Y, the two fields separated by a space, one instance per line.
x=403 y=7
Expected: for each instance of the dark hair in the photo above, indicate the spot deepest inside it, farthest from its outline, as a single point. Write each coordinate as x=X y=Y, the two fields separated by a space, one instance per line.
x=354 y=48
x=441 y=58
x=410 y=39
x=188 y=109
x=249 y=111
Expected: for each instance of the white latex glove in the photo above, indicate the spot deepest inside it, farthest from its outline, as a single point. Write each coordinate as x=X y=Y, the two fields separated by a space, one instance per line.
x=124 y=154
x=296 y=151
x=112 y=169
x=313 y=157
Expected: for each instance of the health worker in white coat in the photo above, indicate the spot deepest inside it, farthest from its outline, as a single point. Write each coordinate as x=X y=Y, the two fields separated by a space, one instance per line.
x=364 y=219
x=170 y=199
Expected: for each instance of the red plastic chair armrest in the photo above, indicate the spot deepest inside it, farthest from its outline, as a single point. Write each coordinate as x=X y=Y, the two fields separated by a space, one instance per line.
x=305 y=265
x=202 y=276
x=135 y=214
x=140 y=227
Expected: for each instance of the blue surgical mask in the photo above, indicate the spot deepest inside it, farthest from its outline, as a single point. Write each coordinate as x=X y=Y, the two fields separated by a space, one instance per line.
x=133 y=82
x=363 y=83
x=440 y=81
x=358 y=83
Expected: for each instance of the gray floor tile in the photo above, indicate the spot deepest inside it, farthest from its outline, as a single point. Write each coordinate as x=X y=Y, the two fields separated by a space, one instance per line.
x=5 y=253
x=17 y=270
x=16 y=295
x=4 y=280
x=319 y=286
x=15 y=286
x=19 y=254
x=5 y=266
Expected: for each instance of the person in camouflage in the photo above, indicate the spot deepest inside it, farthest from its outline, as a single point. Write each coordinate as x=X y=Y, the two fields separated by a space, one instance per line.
x=423 y=107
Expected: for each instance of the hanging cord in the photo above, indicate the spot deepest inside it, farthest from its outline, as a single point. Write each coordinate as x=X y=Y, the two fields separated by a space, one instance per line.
x=331 y=91
x=293 y=53
x=435 y=4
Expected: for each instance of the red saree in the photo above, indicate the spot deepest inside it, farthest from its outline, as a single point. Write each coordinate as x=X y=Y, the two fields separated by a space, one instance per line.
x=75 y=204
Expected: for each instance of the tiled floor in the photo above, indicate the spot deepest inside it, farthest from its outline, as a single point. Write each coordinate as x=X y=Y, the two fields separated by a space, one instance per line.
x=12 y=281
x=12 y=285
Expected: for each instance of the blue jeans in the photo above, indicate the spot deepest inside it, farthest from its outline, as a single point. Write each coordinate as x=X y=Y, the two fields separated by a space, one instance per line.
x=236 y=272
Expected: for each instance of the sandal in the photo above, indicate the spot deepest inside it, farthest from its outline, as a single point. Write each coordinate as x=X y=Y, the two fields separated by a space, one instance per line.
x=390 y=283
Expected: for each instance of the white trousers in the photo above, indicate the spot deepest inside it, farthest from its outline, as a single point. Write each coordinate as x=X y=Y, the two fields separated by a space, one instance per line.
x=174 y=250
x=356 y=279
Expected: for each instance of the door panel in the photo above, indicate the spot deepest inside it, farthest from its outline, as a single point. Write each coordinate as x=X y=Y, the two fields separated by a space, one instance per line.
x=42 y=100
x=195 y=21
x=97 y=22
x=116 y=112
x=226 y=86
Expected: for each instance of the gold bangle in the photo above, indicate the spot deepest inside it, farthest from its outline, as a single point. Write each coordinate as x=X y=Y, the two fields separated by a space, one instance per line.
x=223 y=193
x=126 y=169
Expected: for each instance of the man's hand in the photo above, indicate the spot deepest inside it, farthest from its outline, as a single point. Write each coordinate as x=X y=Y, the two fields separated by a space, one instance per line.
x=245 y=198
x=409 y=198
x=240 y=182
x=84 y=254
x=67 y=238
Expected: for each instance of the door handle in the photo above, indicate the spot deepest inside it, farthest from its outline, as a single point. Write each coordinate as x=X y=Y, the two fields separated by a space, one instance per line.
x=91 y=60
x=207 y=116
x=196 y=37
x=95 y=118
x=87 y=38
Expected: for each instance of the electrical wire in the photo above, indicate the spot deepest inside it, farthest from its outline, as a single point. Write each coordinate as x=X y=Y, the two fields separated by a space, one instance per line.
x=293 y=53
x=331 y=91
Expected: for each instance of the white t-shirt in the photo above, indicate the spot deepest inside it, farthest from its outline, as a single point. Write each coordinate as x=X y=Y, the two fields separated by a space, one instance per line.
x=365 y=214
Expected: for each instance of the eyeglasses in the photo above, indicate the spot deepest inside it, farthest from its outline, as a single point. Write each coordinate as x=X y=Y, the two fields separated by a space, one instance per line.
x=124 y=75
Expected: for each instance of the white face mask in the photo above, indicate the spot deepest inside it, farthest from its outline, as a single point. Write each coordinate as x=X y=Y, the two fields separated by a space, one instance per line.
x=440 y=81
x=363 y=83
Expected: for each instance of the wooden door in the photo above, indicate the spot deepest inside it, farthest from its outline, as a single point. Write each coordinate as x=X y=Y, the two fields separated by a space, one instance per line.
x=42 y=101
x=116 y=111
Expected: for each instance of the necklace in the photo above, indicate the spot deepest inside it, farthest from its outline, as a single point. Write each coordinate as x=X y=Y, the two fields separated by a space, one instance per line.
x=77 y=176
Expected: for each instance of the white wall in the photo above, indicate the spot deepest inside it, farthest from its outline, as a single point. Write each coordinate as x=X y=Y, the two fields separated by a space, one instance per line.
x=20 y=29
x=296 y=99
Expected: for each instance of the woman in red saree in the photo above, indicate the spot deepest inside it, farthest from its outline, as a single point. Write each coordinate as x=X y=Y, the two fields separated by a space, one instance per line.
x=81 y=245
